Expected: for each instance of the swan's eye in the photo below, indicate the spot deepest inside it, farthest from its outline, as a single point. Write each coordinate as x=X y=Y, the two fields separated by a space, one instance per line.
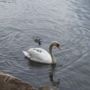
x=58 y=45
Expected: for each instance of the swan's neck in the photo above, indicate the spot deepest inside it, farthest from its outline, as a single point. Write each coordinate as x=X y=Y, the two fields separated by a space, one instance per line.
x=50 y=51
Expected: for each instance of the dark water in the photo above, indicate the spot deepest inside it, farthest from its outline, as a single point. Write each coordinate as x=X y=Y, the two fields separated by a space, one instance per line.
x=67 y=21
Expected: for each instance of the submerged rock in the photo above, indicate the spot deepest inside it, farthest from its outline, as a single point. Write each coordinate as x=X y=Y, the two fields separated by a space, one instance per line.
x=9 y=82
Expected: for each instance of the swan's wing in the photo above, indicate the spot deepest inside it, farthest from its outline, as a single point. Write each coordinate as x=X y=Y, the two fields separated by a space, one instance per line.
x=39 y=55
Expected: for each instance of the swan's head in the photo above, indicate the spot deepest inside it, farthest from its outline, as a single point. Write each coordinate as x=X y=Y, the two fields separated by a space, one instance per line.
x=55 y=44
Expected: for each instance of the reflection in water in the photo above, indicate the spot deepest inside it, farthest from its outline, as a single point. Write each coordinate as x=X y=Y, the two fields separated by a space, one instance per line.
x=54 y=83
x=52 y=72
x=51 y=76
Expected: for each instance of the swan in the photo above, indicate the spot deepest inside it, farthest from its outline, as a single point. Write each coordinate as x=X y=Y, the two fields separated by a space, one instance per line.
x=41 y=55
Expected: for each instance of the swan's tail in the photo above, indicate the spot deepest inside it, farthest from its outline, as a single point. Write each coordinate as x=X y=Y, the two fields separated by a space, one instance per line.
x=26 y=54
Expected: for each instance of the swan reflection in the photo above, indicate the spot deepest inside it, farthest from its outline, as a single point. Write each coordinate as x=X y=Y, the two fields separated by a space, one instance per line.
x=54 y=83
x=51 y=76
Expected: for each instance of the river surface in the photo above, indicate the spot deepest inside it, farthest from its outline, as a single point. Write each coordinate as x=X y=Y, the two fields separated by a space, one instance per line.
x=67 y=21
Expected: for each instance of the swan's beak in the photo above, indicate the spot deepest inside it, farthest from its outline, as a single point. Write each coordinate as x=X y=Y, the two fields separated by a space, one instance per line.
x=58 y=46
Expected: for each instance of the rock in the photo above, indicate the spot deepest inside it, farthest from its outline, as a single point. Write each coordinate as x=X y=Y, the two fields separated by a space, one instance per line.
x=9 y=82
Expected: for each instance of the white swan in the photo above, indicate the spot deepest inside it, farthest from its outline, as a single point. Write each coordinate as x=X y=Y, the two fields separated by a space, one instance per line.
x=40 y=55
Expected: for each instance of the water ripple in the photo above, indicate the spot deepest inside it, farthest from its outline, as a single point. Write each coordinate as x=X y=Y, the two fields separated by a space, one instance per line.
x=64 y=21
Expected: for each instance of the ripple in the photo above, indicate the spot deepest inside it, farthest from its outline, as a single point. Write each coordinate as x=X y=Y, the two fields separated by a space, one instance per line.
x=7 y=1
x=64 y=21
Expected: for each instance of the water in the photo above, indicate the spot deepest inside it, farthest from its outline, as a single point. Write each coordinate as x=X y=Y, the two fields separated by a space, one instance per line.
x=67 y=21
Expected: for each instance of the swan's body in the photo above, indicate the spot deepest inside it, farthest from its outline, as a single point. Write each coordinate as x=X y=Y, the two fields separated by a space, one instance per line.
x=38 y=55
x=41 y=55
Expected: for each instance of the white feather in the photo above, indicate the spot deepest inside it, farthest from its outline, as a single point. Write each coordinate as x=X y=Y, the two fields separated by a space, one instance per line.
x=26 y=54
x=40 y=55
